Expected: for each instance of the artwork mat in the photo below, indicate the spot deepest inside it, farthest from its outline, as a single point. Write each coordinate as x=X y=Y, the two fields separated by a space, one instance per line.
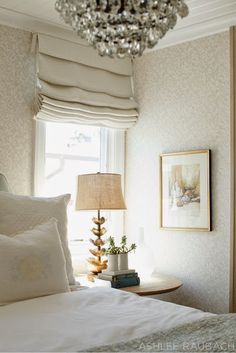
x=208 y=190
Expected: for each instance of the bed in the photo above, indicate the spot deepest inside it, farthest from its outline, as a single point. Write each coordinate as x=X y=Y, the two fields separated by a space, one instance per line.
x=110 y=320
x=98 y=319
x=86 y=318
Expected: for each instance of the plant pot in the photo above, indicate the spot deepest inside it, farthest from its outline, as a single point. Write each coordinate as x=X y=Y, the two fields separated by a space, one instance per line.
x=112 y=262
x=123 y=262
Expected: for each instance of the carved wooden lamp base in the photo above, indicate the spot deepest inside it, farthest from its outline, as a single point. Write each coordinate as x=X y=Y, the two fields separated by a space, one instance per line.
x=96 y=264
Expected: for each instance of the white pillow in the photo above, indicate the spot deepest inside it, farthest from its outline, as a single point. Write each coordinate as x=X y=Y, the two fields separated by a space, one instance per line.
x=20 y=213
x=32 y=264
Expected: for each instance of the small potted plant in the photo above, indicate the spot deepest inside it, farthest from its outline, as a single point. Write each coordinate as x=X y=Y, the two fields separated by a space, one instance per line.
x=112 y=254
x=123 y=263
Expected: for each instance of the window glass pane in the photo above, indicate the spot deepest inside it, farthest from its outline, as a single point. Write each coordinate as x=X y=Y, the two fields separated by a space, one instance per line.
x=71 y=150
x=73 y=139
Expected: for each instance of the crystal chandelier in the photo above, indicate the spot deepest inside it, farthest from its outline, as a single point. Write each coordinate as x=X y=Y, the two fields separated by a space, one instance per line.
x=120 y=28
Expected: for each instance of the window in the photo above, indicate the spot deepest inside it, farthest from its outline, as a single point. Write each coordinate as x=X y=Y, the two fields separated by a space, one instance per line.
x=63 y=151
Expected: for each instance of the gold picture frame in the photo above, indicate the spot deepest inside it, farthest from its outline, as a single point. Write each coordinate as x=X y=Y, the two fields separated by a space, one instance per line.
x=185 y=191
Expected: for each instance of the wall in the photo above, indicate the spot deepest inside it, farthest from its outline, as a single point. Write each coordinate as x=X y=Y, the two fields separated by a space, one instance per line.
x=16 y=97
x=183 y=92
x=233 y=161
x=184 y=97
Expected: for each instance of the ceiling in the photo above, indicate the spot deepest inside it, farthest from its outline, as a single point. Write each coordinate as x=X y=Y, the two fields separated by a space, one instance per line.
x=41 y=10
x=206 y=17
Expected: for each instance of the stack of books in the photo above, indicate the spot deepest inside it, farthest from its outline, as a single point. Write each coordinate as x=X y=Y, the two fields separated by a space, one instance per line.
x=120 y=279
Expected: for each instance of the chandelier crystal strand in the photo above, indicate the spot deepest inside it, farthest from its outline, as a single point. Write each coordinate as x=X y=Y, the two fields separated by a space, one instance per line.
x=121 y=28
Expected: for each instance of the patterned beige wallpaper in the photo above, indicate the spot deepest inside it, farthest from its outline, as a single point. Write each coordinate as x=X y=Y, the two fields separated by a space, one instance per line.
x=184 y=97
x=183 y=93
x=16 y=96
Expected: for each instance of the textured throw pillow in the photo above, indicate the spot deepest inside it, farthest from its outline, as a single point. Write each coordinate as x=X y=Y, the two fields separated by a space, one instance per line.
x=20 y=213
x=32 y=264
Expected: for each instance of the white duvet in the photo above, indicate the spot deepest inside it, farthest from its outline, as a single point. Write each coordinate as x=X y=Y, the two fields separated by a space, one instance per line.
x=74 y=321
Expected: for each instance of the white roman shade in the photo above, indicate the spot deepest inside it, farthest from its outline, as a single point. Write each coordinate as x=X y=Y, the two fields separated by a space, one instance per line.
x=77 y=85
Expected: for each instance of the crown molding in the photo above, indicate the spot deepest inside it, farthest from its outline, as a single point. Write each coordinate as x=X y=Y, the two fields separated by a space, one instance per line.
x=196 y=31
x=207 y=17
x=31 y=24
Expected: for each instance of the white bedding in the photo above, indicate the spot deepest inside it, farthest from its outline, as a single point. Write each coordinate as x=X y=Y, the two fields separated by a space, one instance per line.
x=75 y=321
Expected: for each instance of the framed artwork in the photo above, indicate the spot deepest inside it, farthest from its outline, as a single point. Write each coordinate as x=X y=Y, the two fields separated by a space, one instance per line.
x=185 y=193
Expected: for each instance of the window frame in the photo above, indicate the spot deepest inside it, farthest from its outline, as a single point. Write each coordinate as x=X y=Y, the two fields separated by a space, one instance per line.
x=112 y=161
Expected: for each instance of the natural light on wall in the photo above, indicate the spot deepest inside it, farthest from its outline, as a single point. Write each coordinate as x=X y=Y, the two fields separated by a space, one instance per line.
x=63 y=151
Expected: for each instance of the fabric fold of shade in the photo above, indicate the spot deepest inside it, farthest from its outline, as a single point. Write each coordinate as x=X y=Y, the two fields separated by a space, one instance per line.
x=77 y=85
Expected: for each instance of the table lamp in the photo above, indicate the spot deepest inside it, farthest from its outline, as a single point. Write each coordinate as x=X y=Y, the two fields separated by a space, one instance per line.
x=100 y=191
